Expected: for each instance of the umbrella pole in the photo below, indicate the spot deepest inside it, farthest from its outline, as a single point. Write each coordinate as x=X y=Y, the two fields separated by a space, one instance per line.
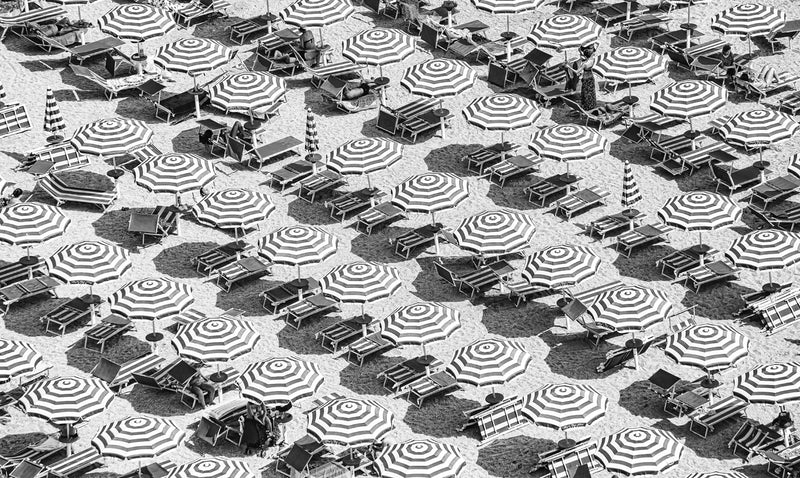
x=369 y=182
x=299 y=289
x=702 y=256
x=635 y=353
x=196 y=93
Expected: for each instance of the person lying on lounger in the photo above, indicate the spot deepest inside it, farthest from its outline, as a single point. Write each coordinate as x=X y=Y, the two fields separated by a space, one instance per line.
x=354 y=91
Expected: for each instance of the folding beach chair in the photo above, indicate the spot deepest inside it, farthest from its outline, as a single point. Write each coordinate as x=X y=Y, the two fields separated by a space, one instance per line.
x=641 y=236
x=429 y=386
x=732 y=179
x=617 y=12
x=28 y=469
x=704 y=421
x=320 y=183
x=353 y=201
x=379 y=215
x=677 y=263
x=488 y=155
x=600 y=118
x=283 y=295
x=315 y=306
x=497 y=50
x=290 y=174
x=553 y=186
x=363 y=348
x=210 y=430
x=27 y=289
x=119 y=377
x=109 y=328
x=35 y=15
x=710 y=272
x=339 y=334
x=76 y=464
x=57 y=320
x=788 y=219
x=16 y=272
x=53 y=158
x=580 y=201
x=390 y=119
x=13 y=120
x=433 y=37
x=159 y=223
x=642 y=22
x=248 y=268
x=495 y=420
x=199 y=11
x=613 y=223
x=513 y=167
x=61 y=192
x=209 y=262
x=753 y=437
x=397 y=376
x=775 y=189
x=421 y=237
x=246 y=28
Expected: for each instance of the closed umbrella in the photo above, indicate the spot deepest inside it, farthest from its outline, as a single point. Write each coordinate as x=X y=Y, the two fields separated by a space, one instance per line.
x=564 y=32
x=138 y=23
x=748 y=20
x=630 y=191
x=794 y=165
x=350 y=422
x=639 y=451
x=419 y=324
x=53 y=120
x=312 y=137
x=502 y=112
x=237 y=209
x=561 y=266
x=420 y=458
x=766 y=251
x=17 y=358
x=489 y=362
x=280 y=380
x=365 y=156
x=564 y=405
x=700 y=211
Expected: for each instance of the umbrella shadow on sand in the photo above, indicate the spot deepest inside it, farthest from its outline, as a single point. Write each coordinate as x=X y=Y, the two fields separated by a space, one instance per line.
x=447 y=159
x=531 y=318
x=717 y=301
x=13 y=442
x=429 y=287
x=376 y=247
x=641 y=264
x=302 y=341
x=113 y=227
x=439 y=416
x=364 y=380
x=512 y=195
x=512 y=457
x=175 y=261
x=308 y=213
x=244 y=296
x=570 y=355
x=639 y=400
x=22 y=316
x=120 y=351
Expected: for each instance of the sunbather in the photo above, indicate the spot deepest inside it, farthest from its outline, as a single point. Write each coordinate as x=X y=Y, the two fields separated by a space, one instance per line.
x=58 y=28
x=354 y=91
x=11 y=199
x=200 y=386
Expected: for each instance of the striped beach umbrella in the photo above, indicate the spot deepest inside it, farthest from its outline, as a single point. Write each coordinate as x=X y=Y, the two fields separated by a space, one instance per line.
x=234 y=209
x=748 y=19
x=568 y=142
x=718 y=474
x=630 y=190
x=639 y=451
x=379 y=46
x=564 y=405
x=138 y=437
x=2 y=94
x=439 y=78
x=350 y=422
x=74 y=2
x=365 y=156
x=316 y=13
x=312 y=138
x=31 y=223
x=507 y=6
x=89 y=262
x=151 y=299
x=502 y=112
x=630 y=309
x=53 y=120
x=710 y=347
x=247 y=91
x=361 y=282
x=700 y=211
x=775 y=384
x=689 y=99
x=215 y=340
x=564 y=31
x=557 y=267
x=630 y=64
x=793 y=168
x=489 y=362
x=136 y=22
x=495 y=232
x=212 y=467
x=759 y=128
x=766 y=250
x=280 y=380
x=66 y=400
x=112 y=137
x=174 y=173
x=430 y=192
x=17 y=358
x=298 y=245
x=420 y=458
x=420 y=323
x=193 y=56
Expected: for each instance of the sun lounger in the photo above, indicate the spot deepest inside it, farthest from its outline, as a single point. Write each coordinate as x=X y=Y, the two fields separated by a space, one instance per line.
x=790 y=103
x=290 y=174
x=520 y=291
x=15 y=272
x=200 y=11
x=247 y=268
x=169 y=378
x=390 y=119
x=423 y=123
x=709 y=272
x=209 y=262
x=679 y=158
x=648 y=21
x=563 y=463
x=320 y=183
x=580 y=201
x=477 y=283
x=429 y=386
x=339 y=334
x=553 y=186
x=13 y=120
x=284 y=295
x=704 y=420
x=730 y=178
x=403 y=373
x=73 y=311
x=753 y=437
x=775 y=189
x=300 y=457
x=315 y=306
x=190 y=399
x=575 y=306
x=787 y=219
x=445 y=274
x=617 y=12
x=49 y=35
x=76 y=464
x=62 y=192
x=673 y=38
x=27 y=289
x=421 y=237
x=790 y=30
x=530 y=69
x=368 y=346
x=379 y=215
x=613 y=223
x=210 y=430
x=161 y=222
x=353 y=201
x=776 y=311
x=343 y=70
x=487 y=155
x=34 y=453
x=601 y=118
x=495 y=420
x=756 y=297
x=512 y=167
x=386 y=8
x=497 y=50
x=783 y=463
x=433 y=37
x=80 y=53
x=275 y=150
x=241 y=31
x=34 y=15
x=641 y=236
x=178 y=107
x=119 y=377
x=685 y=57
x=761 y=90
x=54 y=158
x=677 y=263
x=109 y=328
x=28 y=469
x=333 y=90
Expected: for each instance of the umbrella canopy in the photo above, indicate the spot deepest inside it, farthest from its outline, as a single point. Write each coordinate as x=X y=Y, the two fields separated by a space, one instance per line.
x=247 y=91
x=507 y=6
x=794 y=165
x=630 y=190
x=718 y=474
x=748 y=19
x=360 y=282
x=112 y=137
x=439 y=78
x=298 y=245
x=31 y=223
x=136 y=22
x=420 y=458
x=212 y=468
x=151 y=299
x=501 y=112
x=215 y=339
x=564 y=31
x=710 y=347
x=568 y=142
x=379 y=46
x=420 y=323
x=138 y=437
x=561 y=266
x=280 y=380
x=489 y=362
x=350 y=422
x=775 y=384
x=758 y=128
x=193 y=56
x=630 y=308
x=2 y=93
x=631 y=64
x=312 y=138
x=53 y=120
x=364 y=156
x=688 y=99
x=174 y=173
x=765 y=250
x=234 y=209
x=430 y=192
x=17 y=358
x=564 y=405
x=495 y=232
x=700 y=211
x=316 y=13
x=89 y=262
x=66 y=399
x=639 y=451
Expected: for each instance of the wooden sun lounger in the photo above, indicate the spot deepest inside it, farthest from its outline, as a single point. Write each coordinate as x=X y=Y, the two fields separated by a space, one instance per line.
x=323 y=182
x=62 y=192
x=580 y=201
x=775 y=189
x=119 y=377
x=57 y=320
x=421 y=237
x=709 y=272
x=398 y=376
x=54 y=158
x=353 y=201
x=339 y=334
x=314 y=306
x=641 y=236
x=495 y=420
x=26 y=289
x=429 y=386
x=677 y=263
x=382 y=214
x=753 y=437
x=284 y=295
x=13 y=120
x=613 y=223
x=363 y=348
x=109 y=328
x=548 y=187
x=512 y=167
x=704 y=421
x=244 y=269
x=16 y=272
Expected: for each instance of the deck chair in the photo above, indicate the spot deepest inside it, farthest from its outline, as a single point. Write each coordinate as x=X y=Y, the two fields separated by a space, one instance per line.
x=521 y=291
x=421 y=237
x=753 y=437
x=673 y=37
x=781 y=311
x=423 y=123
x=36 y=15
x=34 y=452
x=109 y=328
x=528 y=69
x=112 y=87
x=299 y=457
x=342 y=70
x=513 y=167
x=28 y=469
x=57 y=320
x=704 y=421
x=10 y=398
x=790 y=103
x=390 y=119
x=642 y=22
x=760 y=89
x=708 y=273
x=602 y=119
x=53 y=158
x=62 y=192
x=15 y=271
x=210 y=430
x=200 y=11
x=565 y=463
x=481 y=158
x=210 y=261
x=685 y=57
x=241 y=31
x=119 y=377
x=178 y=107
x=379 y=215
x=617 y=12
x=277 y=298
x=314 y=306
x=677 y=263
x=497 y=50
x=782 y=463
x=190 y=399
x=641 y=236
x=615 y=358
x=13 y=120
x=320 y=183
x=495 y=420
x=27 y=289
x=351 y=202
x=289 y=174
x=76 y=464
x=429 y=386
x=42 y=36
x=446 y=274
x=433 y=37
x=159 y=223
x=248 y=268
x=553 y=186
x=775 y=189
x=477 y=283
x=580 y=201
x=368 y=346
x=399 y=375
x=339 y=334
x=388 y=9
x=613 y=223
x=788 y=219
x=730 y=178
x=680 y=156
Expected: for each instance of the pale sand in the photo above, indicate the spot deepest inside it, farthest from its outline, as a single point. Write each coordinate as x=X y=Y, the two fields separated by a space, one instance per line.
x=558 y=356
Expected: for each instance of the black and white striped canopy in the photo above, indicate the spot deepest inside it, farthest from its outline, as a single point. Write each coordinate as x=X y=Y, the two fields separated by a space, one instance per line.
x=568 y=142
x=216 y=339
x=631 y=64
x=298 y=245
x=174 y=173
x=360 y=282
x=136 y=22
x=507 y=6
x=748 y=19
x=151 y=299
x=350 y=422
x=700 y=211
x=53 y=119
x=774 y=383
x=247 y=91
x=193 y=55
x=489 y=362
x=639 y=451
x=379 y=46
x=112 y=137
x=316 y=13
x=718 y=474
x=793 y=168
x=365 y=155
x=564 y=31
x=420 y=459
x=439 y=78
x=89 y=262
x=17 y=358
x=31 y=223
x=212 y=467
x=710 y=347
x=630 y=308
x=138 y=437
x=280 y=380
x=420 y=323
x=234 y=209
x=502 y=112
x=556 y=267
x=759 y=128
x=429 y=192
x=66 y=399
x=687 y=99
x=495 y=232
x=765 y=250
x=564 y=405
x=630 y=189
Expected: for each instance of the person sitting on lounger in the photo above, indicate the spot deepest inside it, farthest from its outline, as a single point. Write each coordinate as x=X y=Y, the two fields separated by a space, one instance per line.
x=783 y=420
x=456 y=34
x=728 y=63
x=203 y=389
